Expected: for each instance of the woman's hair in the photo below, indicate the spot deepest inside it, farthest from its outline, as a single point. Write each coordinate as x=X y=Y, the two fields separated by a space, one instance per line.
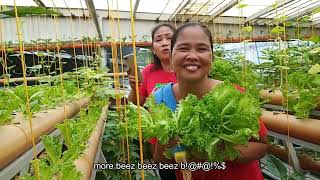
x=190 y=24
x=156 y=60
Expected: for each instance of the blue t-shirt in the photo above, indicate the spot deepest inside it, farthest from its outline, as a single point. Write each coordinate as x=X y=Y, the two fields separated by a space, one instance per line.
x=165 y=95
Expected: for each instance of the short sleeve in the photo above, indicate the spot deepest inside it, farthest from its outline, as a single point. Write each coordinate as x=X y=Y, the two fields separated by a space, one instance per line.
x=143 y=87
x=263 y=130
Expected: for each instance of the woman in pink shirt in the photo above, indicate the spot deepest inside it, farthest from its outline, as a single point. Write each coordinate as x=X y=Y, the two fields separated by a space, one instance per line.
x=159 y=72
x=155 y=75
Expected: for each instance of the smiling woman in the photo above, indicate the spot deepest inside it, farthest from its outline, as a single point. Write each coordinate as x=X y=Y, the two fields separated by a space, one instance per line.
x=191 y=58
x=192 y=54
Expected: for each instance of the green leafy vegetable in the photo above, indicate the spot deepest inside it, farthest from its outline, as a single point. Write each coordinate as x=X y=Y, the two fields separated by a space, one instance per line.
x=216 y=123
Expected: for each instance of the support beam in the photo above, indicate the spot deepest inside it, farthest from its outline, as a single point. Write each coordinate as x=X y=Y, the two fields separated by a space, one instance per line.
x=200 y=9
x=299 y=14
x=92 y=10
x=304 y=12
x=39 y=3
x=225 y=8
x=207 y=15
x=315 y=22
x=264 y=11
x=136 y=5
x=184 y=6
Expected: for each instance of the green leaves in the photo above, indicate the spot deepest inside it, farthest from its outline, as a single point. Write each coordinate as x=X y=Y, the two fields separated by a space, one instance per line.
x=215 y=123
x=53 y=148
x=24 y=11
x=220 y=117
x=315 y=51
x=277 y=168
x=247 y=29
x=60 y=165
x=40 y=98
x=278 y=30
x=307 y=86
x=241 y=6
x=315 y=69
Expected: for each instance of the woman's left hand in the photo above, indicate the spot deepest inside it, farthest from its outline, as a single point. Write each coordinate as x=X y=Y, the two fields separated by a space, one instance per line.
x=252 y=151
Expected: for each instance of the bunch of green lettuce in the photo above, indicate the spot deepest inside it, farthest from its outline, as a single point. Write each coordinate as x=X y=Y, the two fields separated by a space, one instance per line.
x=216 y=123
x=157 y=122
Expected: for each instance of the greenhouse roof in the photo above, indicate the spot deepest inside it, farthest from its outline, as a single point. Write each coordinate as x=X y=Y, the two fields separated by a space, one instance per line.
x=254 y=11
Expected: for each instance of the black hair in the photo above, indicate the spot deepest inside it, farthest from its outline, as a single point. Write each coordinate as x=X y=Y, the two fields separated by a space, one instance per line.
x=156 y=60
x=189 y=24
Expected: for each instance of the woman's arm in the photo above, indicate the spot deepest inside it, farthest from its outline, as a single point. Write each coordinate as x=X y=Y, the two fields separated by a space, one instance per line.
x=132 y=95
x=255 y=150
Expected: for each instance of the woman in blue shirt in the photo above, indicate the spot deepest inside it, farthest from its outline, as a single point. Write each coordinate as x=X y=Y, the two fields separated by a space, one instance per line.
x=191 y=58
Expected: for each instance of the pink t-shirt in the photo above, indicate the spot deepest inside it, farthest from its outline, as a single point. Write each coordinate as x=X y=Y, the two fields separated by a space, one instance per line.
x=154 y=79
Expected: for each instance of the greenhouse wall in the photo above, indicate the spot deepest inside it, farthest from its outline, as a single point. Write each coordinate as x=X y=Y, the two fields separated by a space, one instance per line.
x=64 y=28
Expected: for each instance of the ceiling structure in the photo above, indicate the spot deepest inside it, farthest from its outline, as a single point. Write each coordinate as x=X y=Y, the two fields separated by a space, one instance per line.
x=302 y=13
x=256 y=12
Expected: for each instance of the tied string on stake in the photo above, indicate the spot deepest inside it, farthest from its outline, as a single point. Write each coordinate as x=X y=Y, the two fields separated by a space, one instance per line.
x=59 y=62
x=28 y=108
x=137 y=86
x=114 y=50
x=286 y=86
x=4 y=53
x=114 y=57
x=124 y=117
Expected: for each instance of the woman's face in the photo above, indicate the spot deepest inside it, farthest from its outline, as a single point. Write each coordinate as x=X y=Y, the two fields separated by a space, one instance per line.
x=192 y=54
x=161 y=43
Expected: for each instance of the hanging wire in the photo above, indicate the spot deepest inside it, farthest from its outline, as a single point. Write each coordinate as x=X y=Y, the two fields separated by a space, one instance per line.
x=47 y=48
x=164 y=9
x=91 y=47
x=200 y=10
x=114 y=51
x=124 y=102
x=243 y=67
x=74 y=48
x=116 y=73
x=3 y=52
x=175 y=11
x=221 y=30
x=60 y=64
x=115 y=70
x=288 y=6
x=214 y=31
x=312 y=25
x=187 y=10
x=28 y=109
x=211 y=11
x=114 y=57
x=87 y=40
x=137 y=87
x=81 y=40
x=84 y=54
x=286 y=83
x=32 y=47
x=37 y=46
x=68 y=6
